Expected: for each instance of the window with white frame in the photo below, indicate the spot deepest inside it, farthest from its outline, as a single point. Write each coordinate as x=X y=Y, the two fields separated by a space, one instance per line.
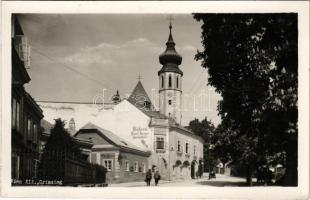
x=179 y=146
x=127 y=166
x=143 y=167
x=136 y=167
x=194 y=149
x=108 y=163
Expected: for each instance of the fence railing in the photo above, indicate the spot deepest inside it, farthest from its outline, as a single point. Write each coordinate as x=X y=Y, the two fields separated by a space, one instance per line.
x=68 y=167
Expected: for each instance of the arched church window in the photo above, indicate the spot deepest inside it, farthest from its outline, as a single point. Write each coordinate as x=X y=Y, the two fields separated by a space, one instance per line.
x=177 y=81
x=170 y=82
x=162 y=81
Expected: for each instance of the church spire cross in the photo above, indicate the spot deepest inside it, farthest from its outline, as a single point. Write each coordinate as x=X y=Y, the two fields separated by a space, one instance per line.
x=170 y=18
x=170 y=39
x=139 y=77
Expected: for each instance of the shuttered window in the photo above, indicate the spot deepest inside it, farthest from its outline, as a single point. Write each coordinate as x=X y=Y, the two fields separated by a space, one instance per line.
x=14 y=112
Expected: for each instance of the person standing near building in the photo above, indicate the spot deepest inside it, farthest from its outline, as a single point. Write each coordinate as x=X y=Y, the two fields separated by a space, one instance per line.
x=148 y=177
x=200 y=169
x=156 y=177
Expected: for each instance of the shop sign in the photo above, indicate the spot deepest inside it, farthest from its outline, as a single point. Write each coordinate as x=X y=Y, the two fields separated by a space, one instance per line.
x=139 y=132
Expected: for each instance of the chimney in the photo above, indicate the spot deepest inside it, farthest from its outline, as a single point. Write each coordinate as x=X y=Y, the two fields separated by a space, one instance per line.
x=72 y=126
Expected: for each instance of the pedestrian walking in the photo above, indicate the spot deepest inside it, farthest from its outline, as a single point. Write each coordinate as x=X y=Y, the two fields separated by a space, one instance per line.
x=156 y=177
x=200 y=169
x=148 y=177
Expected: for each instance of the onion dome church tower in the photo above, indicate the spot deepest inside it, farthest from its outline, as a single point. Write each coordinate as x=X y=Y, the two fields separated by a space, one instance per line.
x=170 y=79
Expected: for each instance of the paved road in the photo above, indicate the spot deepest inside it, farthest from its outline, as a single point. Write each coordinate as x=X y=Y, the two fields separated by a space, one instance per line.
x=219 y=181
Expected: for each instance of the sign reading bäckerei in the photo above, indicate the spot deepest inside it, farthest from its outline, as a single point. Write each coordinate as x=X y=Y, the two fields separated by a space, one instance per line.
x=138 y=132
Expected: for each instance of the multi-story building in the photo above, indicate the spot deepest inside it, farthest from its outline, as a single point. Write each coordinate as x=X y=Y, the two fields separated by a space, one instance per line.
x=26 y=114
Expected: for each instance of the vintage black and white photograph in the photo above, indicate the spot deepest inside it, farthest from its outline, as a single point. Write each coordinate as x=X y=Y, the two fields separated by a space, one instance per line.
x=154 y=100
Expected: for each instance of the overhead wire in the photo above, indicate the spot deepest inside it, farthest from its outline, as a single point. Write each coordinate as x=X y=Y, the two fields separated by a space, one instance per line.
x=74 y=70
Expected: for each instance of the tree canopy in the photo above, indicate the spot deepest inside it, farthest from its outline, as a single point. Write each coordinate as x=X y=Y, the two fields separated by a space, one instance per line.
x=252 y=60
x=205 y=129
x=58 y=147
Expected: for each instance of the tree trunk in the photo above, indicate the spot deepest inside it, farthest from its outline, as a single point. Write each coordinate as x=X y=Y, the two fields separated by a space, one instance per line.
x=249 y=175
x=291 y=174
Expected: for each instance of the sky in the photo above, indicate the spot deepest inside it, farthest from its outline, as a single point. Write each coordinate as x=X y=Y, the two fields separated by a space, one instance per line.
x=75 y=57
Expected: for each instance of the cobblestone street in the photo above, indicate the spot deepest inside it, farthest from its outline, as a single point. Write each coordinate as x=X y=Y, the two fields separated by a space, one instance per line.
x=219 y=181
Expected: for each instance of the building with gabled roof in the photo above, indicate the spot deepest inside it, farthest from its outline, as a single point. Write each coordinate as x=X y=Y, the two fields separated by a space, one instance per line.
x=108 y=136
x=123 y=160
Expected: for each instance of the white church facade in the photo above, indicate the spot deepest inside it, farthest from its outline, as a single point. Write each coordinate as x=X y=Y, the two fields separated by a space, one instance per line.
x=173 y=150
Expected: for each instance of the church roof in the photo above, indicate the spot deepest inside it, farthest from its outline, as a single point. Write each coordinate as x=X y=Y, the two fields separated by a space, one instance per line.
x=155 y=114
x=120 y=142
x=139 y=99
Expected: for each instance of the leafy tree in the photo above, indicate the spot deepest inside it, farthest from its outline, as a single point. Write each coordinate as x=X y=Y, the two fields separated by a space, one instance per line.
x=205 y=129
x=59 y=146
x=252 y=61
x=222 y=141
x=230 y=146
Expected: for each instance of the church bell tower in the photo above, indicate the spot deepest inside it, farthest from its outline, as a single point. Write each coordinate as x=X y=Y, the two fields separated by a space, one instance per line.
x=170 y=81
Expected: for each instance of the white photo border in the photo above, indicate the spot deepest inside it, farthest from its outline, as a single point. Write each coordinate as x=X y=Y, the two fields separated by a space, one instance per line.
x=171 y=7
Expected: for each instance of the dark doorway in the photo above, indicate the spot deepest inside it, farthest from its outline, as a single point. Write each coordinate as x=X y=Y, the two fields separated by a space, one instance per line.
x=193 y=169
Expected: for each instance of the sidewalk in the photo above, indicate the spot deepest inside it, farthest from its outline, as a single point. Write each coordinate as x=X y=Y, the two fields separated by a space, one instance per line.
x=141 y=183
x=161 y=182
x=220 y=181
